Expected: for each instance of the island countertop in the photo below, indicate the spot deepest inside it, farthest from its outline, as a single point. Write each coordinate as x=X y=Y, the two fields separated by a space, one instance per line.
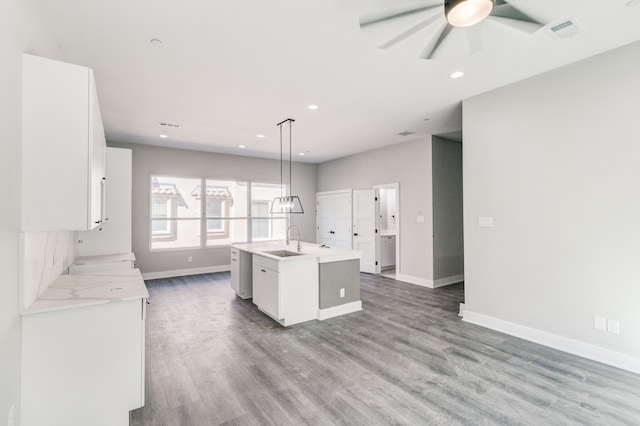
x=323 y=254
x=73 y=291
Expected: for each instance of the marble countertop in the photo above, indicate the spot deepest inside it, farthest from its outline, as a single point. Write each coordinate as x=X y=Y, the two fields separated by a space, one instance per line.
x=323 y=254
x=108 y=258
x=73 y=291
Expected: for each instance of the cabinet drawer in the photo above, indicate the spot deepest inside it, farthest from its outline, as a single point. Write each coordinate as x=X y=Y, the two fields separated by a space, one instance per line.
x=265 y=262
x=234 y=253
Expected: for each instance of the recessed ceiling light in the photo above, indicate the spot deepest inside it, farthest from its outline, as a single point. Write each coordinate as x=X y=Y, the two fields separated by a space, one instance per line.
x=456 y=74
x=301 y=153
x=241 y=146
x=260 y=136
x=313 y=107
x=156 y=42
x=163 y=135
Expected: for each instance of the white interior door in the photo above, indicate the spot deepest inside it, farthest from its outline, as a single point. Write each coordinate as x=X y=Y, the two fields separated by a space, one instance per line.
x=343 y=220
x=364 y=228
x=325 y=205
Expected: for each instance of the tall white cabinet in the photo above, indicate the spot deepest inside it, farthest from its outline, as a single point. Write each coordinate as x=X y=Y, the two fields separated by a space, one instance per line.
x=334 y=218
x=114 y=235
x=63 y=148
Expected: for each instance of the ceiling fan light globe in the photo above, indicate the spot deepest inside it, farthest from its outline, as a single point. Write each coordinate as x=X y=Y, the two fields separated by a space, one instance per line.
x=465 y=13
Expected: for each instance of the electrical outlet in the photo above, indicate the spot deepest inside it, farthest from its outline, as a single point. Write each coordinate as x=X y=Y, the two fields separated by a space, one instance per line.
x=10 y=416
x=342 y=292
x=190 y=259
x=600 y=323
x=613 y=326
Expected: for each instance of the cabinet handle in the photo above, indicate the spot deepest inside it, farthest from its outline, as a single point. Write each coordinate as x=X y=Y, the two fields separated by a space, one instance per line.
x=355 y=234
x=233 y=260
x=263 y=270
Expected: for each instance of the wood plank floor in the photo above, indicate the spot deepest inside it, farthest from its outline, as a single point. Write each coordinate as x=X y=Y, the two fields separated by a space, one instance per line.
x=406 y=359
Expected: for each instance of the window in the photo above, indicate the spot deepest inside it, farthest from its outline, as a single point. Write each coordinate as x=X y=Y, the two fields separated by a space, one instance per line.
x=226 y=212
x=265 y=226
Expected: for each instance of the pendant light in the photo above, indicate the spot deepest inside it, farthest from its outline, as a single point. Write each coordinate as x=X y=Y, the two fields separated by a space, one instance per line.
x=464 y=13
x=286 y=203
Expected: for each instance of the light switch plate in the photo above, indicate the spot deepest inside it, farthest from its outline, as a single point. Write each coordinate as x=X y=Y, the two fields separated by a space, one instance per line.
x=613 y=326
x=600 y=323
x=420 y=219
x=485 y=222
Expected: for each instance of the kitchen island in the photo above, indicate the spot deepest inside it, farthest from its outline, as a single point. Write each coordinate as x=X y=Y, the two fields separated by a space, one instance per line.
x=291 y=286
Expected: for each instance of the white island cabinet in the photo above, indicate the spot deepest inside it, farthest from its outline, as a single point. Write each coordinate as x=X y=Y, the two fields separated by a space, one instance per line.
x=83 y=350
x=287 y=291
x=63 y=147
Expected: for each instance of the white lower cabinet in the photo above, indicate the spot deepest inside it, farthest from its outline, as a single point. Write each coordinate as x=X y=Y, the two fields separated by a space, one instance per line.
x=241 y=273
x=267 y=290
x=286 y=290
x=83 y=366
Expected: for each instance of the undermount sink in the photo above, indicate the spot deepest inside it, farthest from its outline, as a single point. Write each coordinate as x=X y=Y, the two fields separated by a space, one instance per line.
x=282 y=253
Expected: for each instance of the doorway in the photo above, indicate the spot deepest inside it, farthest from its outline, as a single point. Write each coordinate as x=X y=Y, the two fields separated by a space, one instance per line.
x=388 y=230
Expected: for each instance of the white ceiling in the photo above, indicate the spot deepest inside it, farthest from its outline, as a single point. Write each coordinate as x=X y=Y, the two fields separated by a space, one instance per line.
x=228 y=70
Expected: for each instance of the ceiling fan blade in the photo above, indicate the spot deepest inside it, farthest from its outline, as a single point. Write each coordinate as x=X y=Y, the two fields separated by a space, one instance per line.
x=431 y=49
x=516 y=24
x=474 y=38
x=378 y=18
x=411 y=31
x=505 y=10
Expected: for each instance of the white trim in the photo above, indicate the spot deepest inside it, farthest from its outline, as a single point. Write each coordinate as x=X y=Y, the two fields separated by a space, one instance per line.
x=575 y=347
x=454 y=279
x=336 y=311
x=185 y=272
x=414 y=280
x=338 y=191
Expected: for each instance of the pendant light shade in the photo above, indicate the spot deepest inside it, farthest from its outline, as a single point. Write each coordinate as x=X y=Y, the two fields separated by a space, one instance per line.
x=464 y=13
x=286 y=203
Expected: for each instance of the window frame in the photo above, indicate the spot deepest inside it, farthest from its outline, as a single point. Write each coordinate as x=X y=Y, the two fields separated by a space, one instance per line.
x=205 y=234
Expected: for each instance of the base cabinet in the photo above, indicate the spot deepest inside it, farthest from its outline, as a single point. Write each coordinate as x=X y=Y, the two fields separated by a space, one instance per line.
x=242 y=273
x=83 y=366
x=287 y=291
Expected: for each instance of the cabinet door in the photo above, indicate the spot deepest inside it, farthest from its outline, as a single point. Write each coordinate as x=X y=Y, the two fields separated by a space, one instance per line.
x=266 y=290
x=235 y=270
x=98 y=154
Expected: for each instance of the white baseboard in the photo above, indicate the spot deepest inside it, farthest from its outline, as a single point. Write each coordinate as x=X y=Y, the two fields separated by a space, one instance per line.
x=336 y=311
x=414 y=280
x=575 y=347
x=454 y=279
x=185 y=272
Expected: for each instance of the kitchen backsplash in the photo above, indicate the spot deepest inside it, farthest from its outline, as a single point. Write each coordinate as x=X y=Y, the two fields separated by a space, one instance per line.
x=45 y=256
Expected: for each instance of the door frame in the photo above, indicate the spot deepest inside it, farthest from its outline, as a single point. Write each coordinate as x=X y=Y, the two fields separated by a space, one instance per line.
x=395 y=186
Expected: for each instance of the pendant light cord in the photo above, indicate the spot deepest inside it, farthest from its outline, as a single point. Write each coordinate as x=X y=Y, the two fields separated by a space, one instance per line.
x=290 y=128
x=280 y=126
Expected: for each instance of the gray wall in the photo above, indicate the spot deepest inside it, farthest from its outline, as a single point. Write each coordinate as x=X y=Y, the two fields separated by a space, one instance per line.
x=408 y=164
x=21 y=30
x=555 y=161
x=448 y=240
x=150 y=160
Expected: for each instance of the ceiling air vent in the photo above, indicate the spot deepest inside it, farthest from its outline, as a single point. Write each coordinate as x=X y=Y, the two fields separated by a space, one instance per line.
x=565 y=29
x=175 y=126
x=406 y=133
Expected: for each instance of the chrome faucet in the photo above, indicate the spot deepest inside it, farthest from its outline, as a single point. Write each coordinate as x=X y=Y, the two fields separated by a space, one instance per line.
x=289 y=238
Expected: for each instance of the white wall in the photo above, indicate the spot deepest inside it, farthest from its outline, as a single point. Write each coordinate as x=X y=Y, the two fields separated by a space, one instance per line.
x=150 y=160
x=555 y=161
x=408 y=164
x=20 y=30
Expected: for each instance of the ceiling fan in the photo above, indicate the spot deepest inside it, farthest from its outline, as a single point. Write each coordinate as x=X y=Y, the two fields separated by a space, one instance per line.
x=457 y=14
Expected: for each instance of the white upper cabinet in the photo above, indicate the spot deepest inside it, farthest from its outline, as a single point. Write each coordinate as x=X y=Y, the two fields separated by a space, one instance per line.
x=63 y=147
